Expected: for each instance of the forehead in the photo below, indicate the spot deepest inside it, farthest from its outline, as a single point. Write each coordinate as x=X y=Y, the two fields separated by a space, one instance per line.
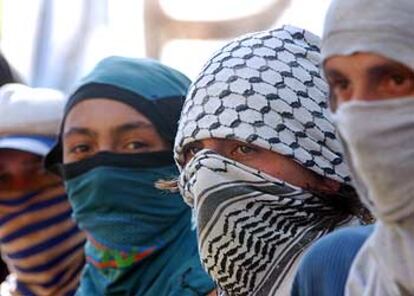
x=12 y=155
x=358 y=62
x=102 y=113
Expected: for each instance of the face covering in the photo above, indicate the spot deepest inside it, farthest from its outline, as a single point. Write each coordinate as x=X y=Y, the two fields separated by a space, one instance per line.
x=265 y=89
x=40 y=243
x=134 y=229
x=379 y=137
x=109 y=201
x=140 y=239
x=251 y=227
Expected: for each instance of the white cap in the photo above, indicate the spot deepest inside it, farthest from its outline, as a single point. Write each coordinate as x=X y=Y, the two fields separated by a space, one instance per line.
x=39 y=145
x=30 y=111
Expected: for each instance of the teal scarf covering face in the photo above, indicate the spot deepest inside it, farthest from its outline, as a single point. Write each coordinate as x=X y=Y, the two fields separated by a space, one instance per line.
x=140 y=238
x=151 y=88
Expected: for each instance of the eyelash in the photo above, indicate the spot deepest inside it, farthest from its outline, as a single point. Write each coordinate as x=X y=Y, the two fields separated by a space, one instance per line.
x=79 y=146
x=400 y=77
x=140 y=144
x=192 y=149
x=339 y=82
x=240 y=148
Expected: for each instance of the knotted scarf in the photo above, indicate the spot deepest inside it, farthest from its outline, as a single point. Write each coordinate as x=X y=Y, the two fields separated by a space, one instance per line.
x=252 y=227
x=264 y=89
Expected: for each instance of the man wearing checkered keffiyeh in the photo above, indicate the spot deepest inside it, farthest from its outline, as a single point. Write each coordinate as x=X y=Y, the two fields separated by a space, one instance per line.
x=264 y=89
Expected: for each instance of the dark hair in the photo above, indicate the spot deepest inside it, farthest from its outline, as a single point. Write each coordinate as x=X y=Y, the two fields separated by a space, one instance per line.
x=7 y=74
x=346 y=203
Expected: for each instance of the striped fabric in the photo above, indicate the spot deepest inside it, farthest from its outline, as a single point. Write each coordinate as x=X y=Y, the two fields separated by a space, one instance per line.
x=41 y=244
x=252 y=228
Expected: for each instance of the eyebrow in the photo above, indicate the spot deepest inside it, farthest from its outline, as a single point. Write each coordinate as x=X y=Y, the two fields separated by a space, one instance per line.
x=386 y=68
x=375 y=70
x=123 y=128
x=332 y=73
x=79 y=131
x=129 y=126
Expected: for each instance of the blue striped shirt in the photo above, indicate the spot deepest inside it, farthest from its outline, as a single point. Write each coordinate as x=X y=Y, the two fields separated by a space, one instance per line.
x=41 y=244
x=323 y=271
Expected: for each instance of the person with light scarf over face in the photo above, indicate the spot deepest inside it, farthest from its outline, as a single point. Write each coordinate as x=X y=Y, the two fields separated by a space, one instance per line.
x=41 y=244
x=260 y=162
x=368 y=52
x=115 y=144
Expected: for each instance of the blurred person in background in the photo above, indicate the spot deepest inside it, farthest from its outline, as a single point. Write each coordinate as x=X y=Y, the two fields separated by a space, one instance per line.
x=40 y=243
x=260 y=161
x=368 y=52
x=115 y=144
x=7 y=75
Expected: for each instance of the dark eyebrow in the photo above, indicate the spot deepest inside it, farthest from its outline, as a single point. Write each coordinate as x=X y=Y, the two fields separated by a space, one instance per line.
x=79 y=131
x=332 y=73
x=126 y=127
x=387 y=68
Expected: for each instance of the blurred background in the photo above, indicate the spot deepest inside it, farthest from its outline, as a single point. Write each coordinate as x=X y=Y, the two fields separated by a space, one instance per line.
x=52 y=43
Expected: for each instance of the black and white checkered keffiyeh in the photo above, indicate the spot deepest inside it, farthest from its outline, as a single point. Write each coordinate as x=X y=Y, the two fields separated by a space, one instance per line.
x=252 y=228
x=264 y=89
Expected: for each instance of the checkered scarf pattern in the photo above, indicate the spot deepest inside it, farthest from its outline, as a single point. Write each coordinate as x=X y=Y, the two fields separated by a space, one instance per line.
x=265 y=89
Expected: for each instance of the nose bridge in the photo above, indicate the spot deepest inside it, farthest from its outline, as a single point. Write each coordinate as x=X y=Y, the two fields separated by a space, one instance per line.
x=106 y=143
x=213 y=144
x=362 y=90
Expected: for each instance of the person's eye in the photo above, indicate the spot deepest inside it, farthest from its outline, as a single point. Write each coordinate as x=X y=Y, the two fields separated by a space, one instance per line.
x=340 y=84
x=398 y=79
x=191 y=149
x=80 y=149
x=340 y=89
x=398 y=83
x=135 y=146
x=244 y=150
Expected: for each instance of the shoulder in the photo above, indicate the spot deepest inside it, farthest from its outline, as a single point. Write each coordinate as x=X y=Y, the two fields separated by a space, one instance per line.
x=341 y=244
x=324 y=267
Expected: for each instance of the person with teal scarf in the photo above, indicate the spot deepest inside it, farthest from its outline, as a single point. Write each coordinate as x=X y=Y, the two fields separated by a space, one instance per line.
x=115 y=144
